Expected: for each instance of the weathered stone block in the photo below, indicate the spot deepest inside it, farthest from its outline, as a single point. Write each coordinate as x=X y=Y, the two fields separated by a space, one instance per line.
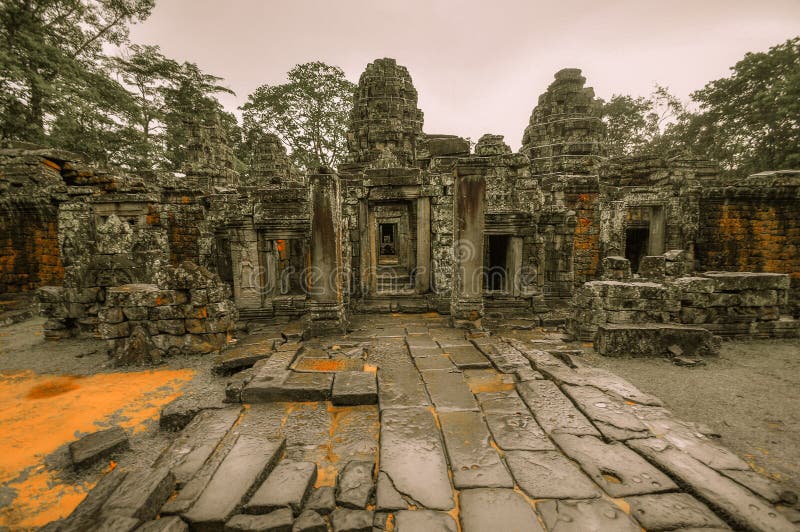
x=643 y=340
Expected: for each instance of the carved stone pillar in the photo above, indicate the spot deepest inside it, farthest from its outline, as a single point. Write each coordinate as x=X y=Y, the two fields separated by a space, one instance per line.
x=469 y=204
x=326 y=307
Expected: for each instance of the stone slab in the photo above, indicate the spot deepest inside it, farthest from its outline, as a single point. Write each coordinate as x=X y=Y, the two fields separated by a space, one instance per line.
x=554 y=412
x=322 y=500
x=614 y=467
x=671 y=511
x=411 y=455
x=421 y=340
x=467 y=357
x=288 y=485
x=249 y=461
x=473 y=460
x=355 y=388
x=386 y=496
x=355 y=485
x=115 y=523
x=399 y=388
x=488 y=509
x=97 y=445
x=243 y=356
x=741 y=506
x=279 y=520
x=141 y=494
x=449 y=390
x=761 y=485
x=550 y=475
x=580 y=516
x=434 y=362
x=165 y=524
x=190 y=450
x=310 y=521
x=289 y=386
x=346 y=520
x=615 y=419
x=423 y=521
x=90 y=507
x=512 y=425
x=654 y=340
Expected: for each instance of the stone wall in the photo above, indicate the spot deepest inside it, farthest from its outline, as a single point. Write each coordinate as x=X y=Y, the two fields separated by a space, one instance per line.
x=753 y=224
x=726 y=303
x=29 y=250
x=188 y=312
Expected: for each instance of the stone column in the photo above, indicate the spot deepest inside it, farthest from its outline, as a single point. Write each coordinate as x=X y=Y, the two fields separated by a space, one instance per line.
x=326 y=307
x=423 y=245
x=658 y=226
x=469 y=203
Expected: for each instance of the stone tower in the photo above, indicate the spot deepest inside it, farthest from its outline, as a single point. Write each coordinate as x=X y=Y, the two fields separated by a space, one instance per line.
x=566 y=135
x=209 y=159
x=385 y=124
x=270 y=165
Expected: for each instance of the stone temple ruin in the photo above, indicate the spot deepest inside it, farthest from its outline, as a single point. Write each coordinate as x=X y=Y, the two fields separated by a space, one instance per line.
x=381 y=276
x=411 y=222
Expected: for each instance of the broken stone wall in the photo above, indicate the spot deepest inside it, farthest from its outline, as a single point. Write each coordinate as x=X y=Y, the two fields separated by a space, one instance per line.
x=726 y=303
x=189 y=311
x=753 y=224
x=29 y=251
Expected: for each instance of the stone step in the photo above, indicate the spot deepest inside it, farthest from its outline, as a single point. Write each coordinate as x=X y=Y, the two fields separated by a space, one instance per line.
x=250 y=460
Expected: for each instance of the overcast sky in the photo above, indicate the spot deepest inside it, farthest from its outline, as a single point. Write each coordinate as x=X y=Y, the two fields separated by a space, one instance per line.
x=478 y=65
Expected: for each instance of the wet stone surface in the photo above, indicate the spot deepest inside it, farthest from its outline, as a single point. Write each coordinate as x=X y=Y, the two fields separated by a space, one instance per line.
x=614 y=467
x=549 y=475
x=670 y=511
x=496 y=509
x=355 y=485
x=412 y=457
x=472 y=437
x=423 y=520
x=289 y=484
x=473 y=461
x=579 y=516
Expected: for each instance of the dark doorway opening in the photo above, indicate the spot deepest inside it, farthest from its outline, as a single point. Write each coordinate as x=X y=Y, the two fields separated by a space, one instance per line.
x=495 y=276
x=388 y=240
x=291 y=264
x=636 y=245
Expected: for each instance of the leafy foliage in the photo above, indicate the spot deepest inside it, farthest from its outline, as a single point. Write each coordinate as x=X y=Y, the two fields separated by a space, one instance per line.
x=750 y=121
x=636 y=125
x=309 y=113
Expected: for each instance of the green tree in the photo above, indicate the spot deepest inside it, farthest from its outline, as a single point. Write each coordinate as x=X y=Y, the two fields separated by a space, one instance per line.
x=750 y=121
x=309 y=113
x=49 y=49
x=638 y=125
x=148 y=75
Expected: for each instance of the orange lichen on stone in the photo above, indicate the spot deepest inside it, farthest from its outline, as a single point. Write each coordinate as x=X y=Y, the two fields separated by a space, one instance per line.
x=43 y=412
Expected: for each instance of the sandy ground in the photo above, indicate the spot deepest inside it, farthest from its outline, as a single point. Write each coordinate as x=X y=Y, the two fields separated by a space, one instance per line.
x=750 y=395
x=53 y=392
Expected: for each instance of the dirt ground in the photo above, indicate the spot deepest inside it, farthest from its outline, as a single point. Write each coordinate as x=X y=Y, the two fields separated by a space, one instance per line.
x=53 y=392
x=750 y=394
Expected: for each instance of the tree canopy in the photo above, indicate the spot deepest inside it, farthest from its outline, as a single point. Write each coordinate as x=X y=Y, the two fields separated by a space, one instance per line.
x=309 y=113
x=748 y=122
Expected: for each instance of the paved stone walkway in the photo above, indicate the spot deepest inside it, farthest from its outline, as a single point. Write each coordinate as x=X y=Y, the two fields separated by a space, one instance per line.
x=483 y=433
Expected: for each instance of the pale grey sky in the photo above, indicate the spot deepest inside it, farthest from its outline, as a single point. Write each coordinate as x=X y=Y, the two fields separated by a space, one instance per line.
x=479 y=65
